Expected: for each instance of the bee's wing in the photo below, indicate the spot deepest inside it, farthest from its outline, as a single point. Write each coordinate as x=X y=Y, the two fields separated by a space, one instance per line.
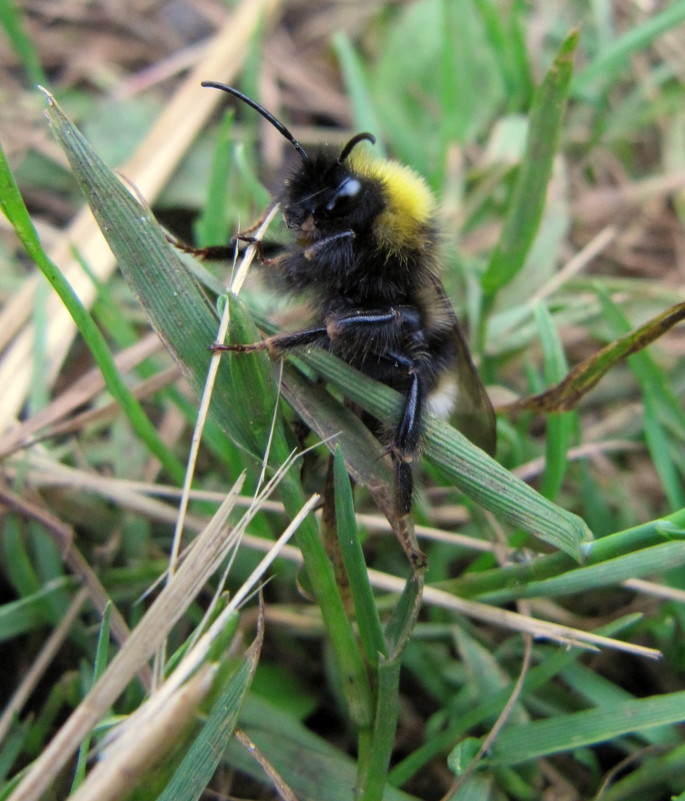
x=473 y=414
x=460 y=395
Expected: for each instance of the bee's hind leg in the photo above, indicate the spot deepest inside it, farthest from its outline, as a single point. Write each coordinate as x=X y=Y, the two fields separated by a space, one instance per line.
x=407 y=436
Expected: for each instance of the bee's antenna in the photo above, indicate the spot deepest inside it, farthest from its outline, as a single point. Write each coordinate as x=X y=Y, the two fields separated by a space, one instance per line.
x=278 y=125
x=356 y=139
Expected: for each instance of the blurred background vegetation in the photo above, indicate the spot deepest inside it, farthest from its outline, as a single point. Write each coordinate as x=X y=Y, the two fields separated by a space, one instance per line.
x=447 y=86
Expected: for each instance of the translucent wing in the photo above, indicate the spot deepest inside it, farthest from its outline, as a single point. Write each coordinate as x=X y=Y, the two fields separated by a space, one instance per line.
x=460 y=395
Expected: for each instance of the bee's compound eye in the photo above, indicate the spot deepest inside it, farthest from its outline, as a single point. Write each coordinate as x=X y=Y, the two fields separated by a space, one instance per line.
x=344 y=198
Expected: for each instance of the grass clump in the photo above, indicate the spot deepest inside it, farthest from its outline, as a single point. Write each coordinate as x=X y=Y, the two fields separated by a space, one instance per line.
x=132 y=621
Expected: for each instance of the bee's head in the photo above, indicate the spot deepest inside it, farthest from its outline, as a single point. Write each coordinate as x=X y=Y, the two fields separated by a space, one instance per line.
x=327 y=195
x=324 y=194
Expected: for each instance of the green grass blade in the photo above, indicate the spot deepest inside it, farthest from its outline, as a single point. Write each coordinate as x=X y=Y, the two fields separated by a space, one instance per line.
x=660 y=445
x=356 y=82
x=374 y=773
x=490 y=705
x=529 y=194
x=251 y=379
x=312 y=767
x=101 y=657
x=641 y=563
x=10 y=20
x=604 y=68
x=140 y=252
x=210 y=227
x=400 y=626
x=505 y=29
x=29 y=613
x=11 y=748
x=612 y=546
x=664 y=414
x=495 y=489
x=366 y=611
x=560 y=425
x=201 y=759
x=594 y=688
x=662 y=769
x=566 y=732
x=22 y=572
x=459 y=96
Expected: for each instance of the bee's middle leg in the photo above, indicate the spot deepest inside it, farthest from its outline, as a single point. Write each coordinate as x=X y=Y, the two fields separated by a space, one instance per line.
x=279 y=343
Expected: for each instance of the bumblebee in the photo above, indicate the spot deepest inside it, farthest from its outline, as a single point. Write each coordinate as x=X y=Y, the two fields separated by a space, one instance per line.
x=365 y=248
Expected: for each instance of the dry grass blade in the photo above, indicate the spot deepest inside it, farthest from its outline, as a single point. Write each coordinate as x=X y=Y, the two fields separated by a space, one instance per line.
x=202 y=561
x=153 y=732
x=132 y=758
x=283 y=790
x=205 y=401
x=207 y=553
x=173 y=707
x=76 y=394
x=512 y=620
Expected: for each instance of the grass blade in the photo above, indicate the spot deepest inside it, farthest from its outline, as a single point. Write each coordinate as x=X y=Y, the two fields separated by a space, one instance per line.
x=560 y=425
x=366 y=611
x=565 y=732
x=528 y=198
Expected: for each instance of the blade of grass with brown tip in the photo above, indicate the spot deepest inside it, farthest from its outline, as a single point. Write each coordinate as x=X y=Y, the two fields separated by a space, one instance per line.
x=585 y=375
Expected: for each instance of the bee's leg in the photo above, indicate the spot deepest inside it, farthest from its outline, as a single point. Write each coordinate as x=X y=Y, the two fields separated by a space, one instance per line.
x=277 y=344
x=227 y=252
x=244 y=234
x=406 y=445
x=261 y=246
x=211 y=253
x=407 y=436
x=310 y=252
x=341 y=325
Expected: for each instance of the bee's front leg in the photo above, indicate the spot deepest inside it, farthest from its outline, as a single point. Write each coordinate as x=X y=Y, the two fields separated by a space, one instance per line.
x=211 y=253
x=312 y=251
x=227 y=252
